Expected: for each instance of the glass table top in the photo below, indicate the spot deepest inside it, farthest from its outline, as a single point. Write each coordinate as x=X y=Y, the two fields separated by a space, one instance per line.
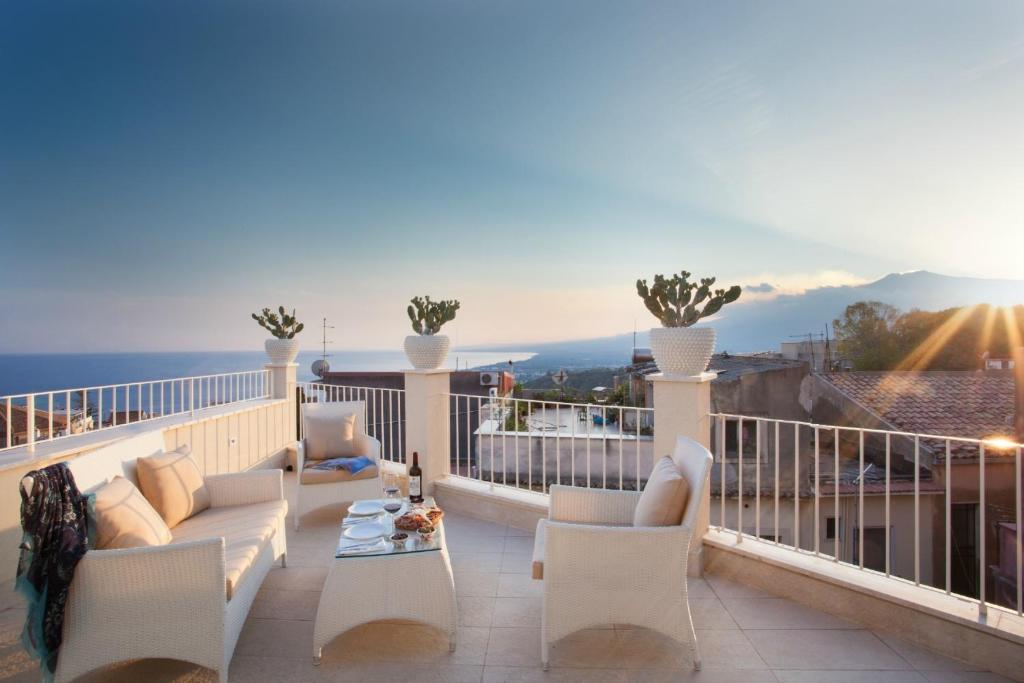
x=382 y=545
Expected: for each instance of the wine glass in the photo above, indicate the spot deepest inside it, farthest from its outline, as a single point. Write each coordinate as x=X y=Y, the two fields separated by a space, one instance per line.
x=392 y=503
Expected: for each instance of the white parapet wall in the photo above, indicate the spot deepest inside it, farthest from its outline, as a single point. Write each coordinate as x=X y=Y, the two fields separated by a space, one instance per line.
x=227 y=438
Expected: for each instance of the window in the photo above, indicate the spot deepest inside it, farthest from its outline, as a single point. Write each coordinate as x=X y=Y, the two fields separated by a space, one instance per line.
x=749 y=440
x=874 y=548
x=830 y=529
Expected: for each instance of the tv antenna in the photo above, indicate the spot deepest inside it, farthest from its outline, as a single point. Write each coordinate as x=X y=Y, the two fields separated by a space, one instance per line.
x=321 y=367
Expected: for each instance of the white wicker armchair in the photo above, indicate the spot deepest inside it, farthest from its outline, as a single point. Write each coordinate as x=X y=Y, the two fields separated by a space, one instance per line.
x=599 y=569
x=309 y=496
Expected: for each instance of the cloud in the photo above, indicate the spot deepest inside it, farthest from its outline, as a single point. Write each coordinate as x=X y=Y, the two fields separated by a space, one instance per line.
x=773 y=285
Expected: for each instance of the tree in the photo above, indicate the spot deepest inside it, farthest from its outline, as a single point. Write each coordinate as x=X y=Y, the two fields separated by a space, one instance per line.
x=866 y=335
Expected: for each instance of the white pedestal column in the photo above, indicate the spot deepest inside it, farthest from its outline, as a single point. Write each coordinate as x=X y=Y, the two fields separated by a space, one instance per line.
x=282 y=385
x=426 y=422
x=682 y=407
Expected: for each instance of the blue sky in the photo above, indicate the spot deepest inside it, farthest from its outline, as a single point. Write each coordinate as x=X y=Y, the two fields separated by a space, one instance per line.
x=168 y=167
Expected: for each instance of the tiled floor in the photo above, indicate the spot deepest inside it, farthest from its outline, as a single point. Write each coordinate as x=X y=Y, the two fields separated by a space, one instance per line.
x=745 y=636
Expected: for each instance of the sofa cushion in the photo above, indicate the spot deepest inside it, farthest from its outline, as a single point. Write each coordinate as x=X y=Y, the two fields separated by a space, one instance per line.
x=330 y=436
x=125 y=519
x=246 y=530
x=173 y=484
x=664 y=497
x=312 y=474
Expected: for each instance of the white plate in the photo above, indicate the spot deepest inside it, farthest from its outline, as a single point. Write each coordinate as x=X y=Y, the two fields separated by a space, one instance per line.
x=365 y=532
x=366 y=507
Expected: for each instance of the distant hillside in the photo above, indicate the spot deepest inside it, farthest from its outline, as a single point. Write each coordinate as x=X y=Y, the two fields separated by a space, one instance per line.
x=580 y=380
x=762 y=325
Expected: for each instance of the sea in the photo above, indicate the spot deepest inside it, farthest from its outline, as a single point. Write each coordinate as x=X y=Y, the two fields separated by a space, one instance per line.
x=34 y=373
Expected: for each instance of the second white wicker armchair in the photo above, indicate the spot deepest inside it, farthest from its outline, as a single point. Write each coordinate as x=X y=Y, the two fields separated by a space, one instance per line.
x=317 y=488
x=599 y=569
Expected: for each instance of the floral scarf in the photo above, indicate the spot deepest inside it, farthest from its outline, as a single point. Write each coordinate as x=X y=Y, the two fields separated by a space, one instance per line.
x=55 y=528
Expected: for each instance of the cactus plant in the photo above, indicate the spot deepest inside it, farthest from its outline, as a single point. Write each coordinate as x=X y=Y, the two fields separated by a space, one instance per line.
x=280 y=324
x=428 y=316
x=675 y=300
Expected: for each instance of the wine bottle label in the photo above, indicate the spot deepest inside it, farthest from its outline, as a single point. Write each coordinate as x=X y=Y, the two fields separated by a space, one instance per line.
x=414 y=487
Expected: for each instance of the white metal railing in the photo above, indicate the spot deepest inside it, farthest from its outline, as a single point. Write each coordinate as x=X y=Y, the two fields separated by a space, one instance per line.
x=28 y=419
x=873 y=499
x=532 y=444
x=384 y=412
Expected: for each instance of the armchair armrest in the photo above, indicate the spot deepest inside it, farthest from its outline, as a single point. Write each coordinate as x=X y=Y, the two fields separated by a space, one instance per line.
x=366 y=443
x=162 y=601
x=613 y=556
x=369 y=446
x=245 y=488
x=591 y=506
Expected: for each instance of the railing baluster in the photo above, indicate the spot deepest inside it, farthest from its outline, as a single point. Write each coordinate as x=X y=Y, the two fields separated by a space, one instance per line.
x=739 y=480
x=917 y=510
x=982 y=606
x=817 y=491
x=1018 y=520
x=721 y=471
x=949 y=519
x=776 y=479
x=836 y=548
x=860 y=499
x=796 y=485
x=757 y=478
x=888 y=485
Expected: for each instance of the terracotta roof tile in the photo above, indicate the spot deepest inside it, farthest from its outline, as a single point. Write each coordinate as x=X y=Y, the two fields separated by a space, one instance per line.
x=974 y=405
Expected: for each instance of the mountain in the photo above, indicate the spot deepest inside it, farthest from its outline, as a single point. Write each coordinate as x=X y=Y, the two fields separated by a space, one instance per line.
x=762 y=324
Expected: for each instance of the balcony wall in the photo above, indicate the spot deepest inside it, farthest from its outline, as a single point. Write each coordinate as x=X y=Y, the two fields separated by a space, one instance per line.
x=224 y=439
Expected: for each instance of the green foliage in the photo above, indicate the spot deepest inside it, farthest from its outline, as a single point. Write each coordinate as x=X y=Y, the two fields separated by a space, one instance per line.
x=280 y=324
x=877 y=336
x=428 y=316
x=866 y=335
x=675 y=300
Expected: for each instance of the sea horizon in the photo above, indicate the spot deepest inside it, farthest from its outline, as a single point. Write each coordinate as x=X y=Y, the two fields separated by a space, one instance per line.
x=22 y=373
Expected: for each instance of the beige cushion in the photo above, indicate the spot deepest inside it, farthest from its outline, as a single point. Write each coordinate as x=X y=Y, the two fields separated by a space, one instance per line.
x=125 y=519
x=330 y=436
x=315 y=476
x=246 y=530
x=173 y=484
x=664 y=497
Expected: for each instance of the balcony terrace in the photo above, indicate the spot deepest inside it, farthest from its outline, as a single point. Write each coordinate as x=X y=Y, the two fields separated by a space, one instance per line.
x=791 y=608
x=745 y=634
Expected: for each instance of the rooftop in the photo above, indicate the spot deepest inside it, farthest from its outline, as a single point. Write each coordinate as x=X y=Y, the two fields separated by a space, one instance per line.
x=745 y=634
x=970 y=404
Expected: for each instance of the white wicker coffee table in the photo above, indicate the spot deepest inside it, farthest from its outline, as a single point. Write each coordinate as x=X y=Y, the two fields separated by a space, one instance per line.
x=411 y=582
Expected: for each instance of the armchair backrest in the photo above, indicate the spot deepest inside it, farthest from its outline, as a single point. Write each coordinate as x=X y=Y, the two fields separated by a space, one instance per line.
x=337 y=409
x=694 y=463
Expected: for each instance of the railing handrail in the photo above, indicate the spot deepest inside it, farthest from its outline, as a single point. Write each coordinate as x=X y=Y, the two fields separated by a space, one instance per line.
x=989 y=442
x=180 y=394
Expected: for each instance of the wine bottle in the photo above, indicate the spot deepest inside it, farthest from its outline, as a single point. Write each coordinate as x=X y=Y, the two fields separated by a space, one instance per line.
x=415 y=480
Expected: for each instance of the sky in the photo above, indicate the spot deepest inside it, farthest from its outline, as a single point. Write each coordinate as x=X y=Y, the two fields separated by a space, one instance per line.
x=168 y=168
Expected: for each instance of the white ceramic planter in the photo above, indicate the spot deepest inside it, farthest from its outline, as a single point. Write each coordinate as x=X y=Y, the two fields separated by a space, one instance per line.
x=426 y=352
x=282 y=351
x=682 y=351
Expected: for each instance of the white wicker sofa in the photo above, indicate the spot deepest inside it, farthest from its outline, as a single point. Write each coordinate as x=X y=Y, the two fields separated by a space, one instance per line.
x=599 y=569
x=186 y=600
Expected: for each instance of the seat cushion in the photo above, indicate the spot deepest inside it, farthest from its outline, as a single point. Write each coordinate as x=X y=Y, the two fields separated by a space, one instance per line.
x=311 y=475
x=125 y=519
x=173 y=484
x=330 y=436
x=538 y=549
x=246 y=530
x=664 y=497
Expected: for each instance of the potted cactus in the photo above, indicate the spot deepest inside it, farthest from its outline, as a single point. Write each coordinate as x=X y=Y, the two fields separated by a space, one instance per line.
x=427 y=349
x=284 y=347
x=679 y=349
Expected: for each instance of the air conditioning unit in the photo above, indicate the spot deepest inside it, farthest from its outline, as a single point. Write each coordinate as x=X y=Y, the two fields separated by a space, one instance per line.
x=492 y=392
x=489 y=379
